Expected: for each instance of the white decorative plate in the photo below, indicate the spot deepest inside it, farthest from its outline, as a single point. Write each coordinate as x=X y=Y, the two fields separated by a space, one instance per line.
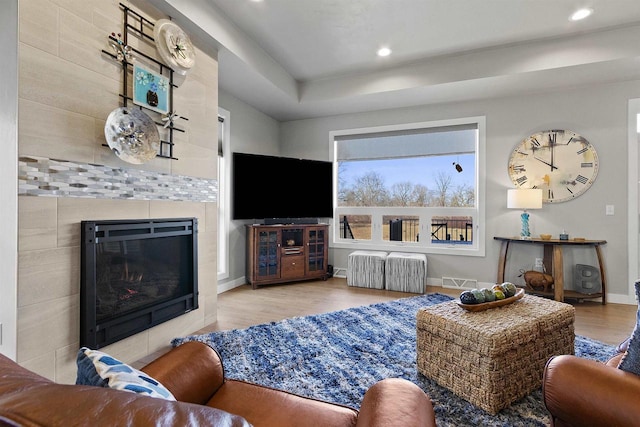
x=174 y=46
x=132 y=135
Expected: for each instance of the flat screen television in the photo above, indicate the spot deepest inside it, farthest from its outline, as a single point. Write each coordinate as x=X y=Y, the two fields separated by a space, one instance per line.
x=273 y=187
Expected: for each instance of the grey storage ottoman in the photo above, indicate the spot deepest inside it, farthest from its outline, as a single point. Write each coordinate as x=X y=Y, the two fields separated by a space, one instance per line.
x=365 y=269
x=406 y=272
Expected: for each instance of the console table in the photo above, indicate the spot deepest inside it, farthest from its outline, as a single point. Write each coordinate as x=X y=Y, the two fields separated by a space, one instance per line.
x=553 y=262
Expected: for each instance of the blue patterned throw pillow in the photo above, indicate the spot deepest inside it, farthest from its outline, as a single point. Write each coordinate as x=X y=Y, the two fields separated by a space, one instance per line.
x=99 y=369
x=631 y=359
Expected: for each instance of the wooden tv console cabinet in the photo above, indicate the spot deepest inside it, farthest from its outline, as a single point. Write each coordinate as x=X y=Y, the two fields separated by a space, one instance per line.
x=286 y=253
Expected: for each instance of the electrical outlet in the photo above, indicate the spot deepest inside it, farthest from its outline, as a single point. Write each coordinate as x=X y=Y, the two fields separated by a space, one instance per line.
x=538 y=263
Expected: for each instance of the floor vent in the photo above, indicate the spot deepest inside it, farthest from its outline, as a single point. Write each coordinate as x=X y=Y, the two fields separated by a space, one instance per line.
x=457 y=283
x=340 y=272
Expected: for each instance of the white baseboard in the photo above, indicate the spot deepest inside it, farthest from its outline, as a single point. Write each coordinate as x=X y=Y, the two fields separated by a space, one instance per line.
x=227 y=286
x=432 y=281
x=621 y=299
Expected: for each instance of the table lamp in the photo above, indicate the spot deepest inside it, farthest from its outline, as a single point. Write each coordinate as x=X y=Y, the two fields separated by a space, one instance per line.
x=521 y=198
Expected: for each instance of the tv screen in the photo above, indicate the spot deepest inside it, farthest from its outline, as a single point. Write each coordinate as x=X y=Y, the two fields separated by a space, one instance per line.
x=281 y=187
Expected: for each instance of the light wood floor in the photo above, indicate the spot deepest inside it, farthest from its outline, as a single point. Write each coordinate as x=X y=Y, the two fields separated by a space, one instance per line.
x=242 y=307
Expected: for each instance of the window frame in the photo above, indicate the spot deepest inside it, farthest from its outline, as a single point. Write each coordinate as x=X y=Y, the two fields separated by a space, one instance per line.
x=477 y=213
x=224 y=161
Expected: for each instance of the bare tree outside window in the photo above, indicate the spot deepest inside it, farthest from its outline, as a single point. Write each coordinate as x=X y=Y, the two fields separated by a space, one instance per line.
x=370 y=189
x=443 y=183
x=411 y=185
x=402 y=194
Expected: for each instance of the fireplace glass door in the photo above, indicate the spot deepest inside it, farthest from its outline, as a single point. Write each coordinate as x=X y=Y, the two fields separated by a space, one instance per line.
x=135 y=274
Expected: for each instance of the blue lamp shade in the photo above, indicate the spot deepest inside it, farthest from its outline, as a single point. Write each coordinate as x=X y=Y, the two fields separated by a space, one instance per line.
x=524 y=198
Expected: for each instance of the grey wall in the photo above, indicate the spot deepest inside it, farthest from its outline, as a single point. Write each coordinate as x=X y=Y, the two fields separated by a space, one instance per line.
x=598 y=112
x=251 y=132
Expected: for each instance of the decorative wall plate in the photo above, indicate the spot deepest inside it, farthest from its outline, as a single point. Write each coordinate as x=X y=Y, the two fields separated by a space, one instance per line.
x=174 y=46
x=132 y=135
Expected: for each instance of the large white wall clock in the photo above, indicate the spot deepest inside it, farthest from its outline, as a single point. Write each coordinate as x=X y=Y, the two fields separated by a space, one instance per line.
x=560 y=162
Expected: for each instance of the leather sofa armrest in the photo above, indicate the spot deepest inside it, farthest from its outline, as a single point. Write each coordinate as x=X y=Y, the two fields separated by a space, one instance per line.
x=29 y=400
x=192 y=372
x=396 y=402
x=37 y=405
x=580 y=392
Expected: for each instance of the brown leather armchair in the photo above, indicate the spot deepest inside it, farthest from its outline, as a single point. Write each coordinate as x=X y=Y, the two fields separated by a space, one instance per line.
x=193 y=372
x=582 y=392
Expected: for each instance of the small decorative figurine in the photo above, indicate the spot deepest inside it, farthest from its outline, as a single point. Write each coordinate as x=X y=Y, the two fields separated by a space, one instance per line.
x=169 y=118
x=123 y=52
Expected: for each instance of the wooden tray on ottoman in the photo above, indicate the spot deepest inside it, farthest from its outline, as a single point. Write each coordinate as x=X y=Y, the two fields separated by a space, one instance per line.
x=494 y=357
x=493 y=304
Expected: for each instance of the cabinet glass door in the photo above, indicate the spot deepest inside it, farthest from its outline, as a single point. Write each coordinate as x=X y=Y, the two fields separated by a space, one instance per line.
x=268 y=254
x=316 y=248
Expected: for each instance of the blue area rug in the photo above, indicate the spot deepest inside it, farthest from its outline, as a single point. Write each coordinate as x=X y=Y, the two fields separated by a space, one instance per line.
x=337 y=356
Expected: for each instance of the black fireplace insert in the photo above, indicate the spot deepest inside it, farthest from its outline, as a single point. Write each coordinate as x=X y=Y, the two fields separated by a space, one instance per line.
x=136 y=274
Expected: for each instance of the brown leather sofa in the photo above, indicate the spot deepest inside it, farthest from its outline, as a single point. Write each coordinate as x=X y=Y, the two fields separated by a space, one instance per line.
x=193 y=372
x=583 y=392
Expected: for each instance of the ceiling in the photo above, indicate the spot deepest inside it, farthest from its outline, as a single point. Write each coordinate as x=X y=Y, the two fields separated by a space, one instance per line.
x=296 y=59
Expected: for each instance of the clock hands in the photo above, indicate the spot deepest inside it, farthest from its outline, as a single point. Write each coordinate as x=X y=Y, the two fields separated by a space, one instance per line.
x=178 y=47
x=552 y=144
x=546 y=163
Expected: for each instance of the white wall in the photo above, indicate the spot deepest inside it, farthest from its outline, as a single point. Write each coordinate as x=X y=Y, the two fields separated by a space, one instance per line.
x=8 y=177
x=599 y=113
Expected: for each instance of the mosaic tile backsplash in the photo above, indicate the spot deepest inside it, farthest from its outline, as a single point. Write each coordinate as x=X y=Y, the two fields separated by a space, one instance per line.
x=40 y=176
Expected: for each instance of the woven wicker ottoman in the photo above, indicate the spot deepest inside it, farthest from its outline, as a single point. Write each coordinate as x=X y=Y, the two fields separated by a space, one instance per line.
x=405 y=272
x=493 y=358
x=365 y=269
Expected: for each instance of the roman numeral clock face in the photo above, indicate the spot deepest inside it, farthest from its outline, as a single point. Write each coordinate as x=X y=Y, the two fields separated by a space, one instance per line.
x=560 y=162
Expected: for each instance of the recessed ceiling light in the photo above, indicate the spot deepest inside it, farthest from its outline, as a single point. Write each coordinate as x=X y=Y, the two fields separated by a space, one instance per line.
x=581 y=14
x=384 y=51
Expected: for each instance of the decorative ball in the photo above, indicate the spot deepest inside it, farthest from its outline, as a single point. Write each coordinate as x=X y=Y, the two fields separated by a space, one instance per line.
x=509 y=288
x=467 y=297
x=488 y=295
x=499 y=294
x=479 y=295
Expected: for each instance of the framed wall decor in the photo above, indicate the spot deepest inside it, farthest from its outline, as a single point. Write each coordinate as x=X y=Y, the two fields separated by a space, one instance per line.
x=154 y=86
x=150 y=89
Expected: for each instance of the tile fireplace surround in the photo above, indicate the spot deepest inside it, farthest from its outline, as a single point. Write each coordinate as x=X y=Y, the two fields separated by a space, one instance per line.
x=55 y=195
x=39 y=176
x=67 y=175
